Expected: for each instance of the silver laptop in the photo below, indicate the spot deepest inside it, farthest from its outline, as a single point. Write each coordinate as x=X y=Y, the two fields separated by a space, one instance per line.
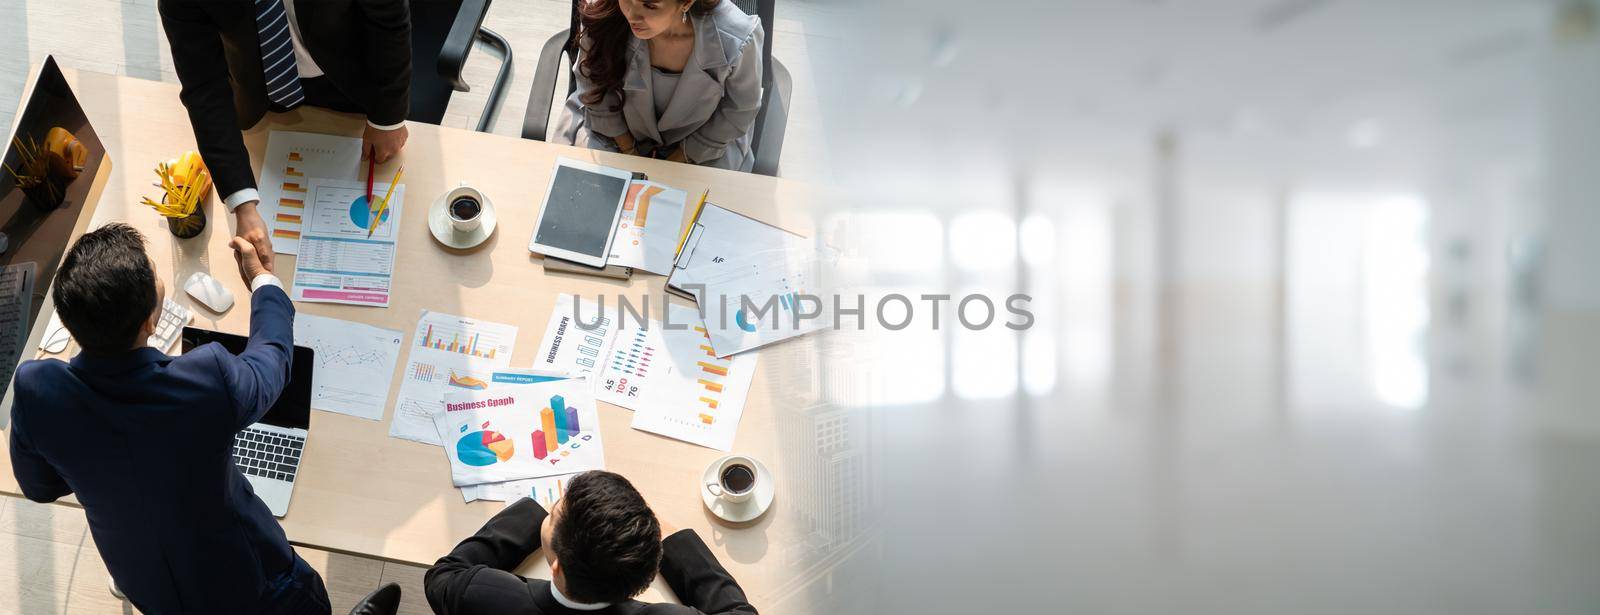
x=268 y=452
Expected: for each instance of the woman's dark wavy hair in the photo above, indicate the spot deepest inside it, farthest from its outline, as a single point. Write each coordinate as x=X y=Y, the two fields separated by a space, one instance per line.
x=606 y=29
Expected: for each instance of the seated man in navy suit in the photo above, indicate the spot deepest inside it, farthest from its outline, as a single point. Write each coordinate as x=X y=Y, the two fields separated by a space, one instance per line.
x=145 y=440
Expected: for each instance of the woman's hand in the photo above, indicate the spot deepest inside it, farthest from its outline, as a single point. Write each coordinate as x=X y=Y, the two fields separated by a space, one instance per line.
x=678 y=155
x=626 y=145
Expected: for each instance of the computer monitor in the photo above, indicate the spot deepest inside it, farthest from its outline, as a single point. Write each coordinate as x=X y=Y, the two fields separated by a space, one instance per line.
x=55 y=170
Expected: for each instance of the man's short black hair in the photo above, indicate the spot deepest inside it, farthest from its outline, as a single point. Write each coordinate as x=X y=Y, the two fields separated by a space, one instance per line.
x=607 y=540
x=105 y=289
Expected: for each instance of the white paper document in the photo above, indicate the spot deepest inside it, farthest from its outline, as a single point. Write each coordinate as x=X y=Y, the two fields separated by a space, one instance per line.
x=505 y=433
x=647 y=232
x=568 y=348
x=545 y=490
x=340 y=260
x=673 y=381
x=292 y=159
x=763 y=298
x=719 y=239
x=355 y=364
x=16 y=311
x=448 y=352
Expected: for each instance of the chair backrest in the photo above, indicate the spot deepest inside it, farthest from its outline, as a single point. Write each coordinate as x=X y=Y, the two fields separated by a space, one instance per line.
x=762 y=9
x=430 y=26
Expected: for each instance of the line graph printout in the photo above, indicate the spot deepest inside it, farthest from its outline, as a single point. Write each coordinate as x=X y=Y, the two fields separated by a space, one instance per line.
x=355 y=364
x=448 y=353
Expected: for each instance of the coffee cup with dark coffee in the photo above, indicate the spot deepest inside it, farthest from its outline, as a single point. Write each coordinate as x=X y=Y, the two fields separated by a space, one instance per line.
x=464 y=205
x=735 y=479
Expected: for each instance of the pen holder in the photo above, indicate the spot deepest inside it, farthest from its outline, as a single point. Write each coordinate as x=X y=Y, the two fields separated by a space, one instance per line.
x=188 y=226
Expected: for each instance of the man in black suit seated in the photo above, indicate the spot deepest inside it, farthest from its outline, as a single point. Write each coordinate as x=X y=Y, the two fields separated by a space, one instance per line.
x=604 y=546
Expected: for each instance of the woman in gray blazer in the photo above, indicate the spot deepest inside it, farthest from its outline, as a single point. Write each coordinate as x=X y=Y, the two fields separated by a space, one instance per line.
x=672 y=79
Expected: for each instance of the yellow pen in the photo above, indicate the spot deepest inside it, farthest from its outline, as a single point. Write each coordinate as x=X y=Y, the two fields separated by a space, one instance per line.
x=696 y=216
x=372 y=225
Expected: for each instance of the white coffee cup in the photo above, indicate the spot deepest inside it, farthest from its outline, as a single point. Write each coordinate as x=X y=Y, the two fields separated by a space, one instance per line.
x=734 y=472
x=466 y=218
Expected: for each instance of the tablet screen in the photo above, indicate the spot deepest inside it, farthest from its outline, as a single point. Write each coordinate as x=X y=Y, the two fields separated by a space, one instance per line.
x=580 y=211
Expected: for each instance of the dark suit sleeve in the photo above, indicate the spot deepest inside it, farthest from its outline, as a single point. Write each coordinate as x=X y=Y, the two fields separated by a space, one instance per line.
x=693 y=573
x=256 y=377
x=476 y=575
x=389 y=60
x=39 y=480
x=207 y=93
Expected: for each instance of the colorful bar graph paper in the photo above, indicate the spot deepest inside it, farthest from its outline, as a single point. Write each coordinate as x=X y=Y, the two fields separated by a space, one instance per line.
x=558 y=407
x=547 y=419
x=713 y=369
x=711 y=386
x=561 y=425
x=539 y=450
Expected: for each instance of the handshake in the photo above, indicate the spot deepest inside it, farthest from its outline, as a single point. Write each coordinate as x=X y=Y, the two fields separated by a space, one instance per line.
x=252 y=246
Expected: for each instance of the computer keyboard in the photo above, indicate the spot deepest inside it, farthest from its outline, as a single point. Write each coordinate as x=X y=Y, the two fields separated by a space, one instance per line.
x=173 y=318
x=267 y=454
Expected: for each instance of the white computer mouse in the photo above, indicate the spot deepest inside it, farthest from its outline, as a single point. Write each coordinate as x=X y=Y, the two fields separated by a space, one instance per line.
x=209 y=292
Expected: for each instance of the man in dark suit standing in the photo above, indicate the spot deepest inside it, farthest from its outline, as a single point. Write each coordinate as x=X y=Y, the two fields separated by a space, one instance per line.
x=146 y=440
x=604 y=546
x=238 y=59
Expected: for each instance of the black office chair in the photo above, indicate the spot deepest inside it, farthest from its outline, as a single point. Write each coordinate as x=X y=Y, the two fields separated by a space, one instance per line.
x=442 y=32
x=382 y=601
x=766 y=139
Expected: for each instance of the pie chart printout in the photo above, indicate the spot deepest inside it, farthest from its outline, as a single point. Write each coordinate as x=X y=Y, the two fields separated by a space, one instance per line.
x=361 y=213
x=483 y=448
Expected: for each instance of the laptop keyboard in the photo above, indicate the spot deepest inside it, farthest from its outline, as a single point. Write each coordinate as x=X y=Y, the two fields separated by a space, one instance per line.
x=267 y=454
x=173 y=317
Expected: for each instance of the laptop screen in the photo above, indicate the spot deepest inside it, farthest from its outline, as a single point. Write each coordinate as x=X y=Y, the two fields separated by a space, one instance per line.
x=293 y=409
x=50 y=165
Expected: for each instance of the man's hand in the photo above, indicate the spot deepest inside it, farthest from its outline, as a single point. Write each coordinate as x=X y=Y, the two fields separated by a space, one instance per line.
x=254 y=230
x=383 y=144
x=678 y=155
x=249 y=261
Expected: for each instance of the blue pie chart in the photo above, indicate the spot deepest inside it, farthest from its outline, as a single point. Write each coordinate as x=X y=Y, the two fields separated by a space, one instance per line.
x=743 y=321
x=360 y=214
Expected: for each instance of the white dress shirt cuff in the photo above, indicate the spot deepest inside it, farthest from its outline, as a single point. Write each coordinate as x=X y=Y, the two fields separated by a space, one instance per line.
x=265 y=279
x=395 y=126
x=241 y=197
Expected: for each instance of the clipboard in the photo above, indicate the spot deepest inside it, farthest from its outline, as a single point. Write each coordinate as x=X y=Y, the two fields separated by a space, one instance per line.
x=717 y=236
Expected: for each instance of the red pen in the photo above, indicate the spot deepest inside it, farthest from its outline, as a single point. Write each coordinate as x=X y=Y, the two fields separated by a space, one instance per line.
x=372 y=167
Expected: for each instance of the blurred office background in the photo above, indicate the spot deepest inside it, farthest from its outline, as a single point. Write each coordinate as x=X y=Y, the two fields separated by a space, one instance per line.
x=1317 y=286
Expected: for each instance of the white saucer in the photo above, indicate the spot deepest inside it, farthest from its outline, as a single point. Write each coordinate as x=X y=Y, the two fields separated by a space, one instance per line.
x=439 y=225
x=746 y=510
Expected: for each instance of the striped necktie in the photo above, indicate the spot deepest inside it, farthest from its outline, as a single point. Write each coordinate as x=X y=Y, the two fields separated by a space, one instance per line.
x=277 y=55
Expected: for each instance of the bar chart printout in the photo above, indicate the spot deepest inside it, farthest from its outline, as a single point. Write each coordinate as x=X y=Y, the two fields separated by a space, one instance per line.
x=549 y=428
x=448 y=353
x=674 y=382
x=292 y=159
